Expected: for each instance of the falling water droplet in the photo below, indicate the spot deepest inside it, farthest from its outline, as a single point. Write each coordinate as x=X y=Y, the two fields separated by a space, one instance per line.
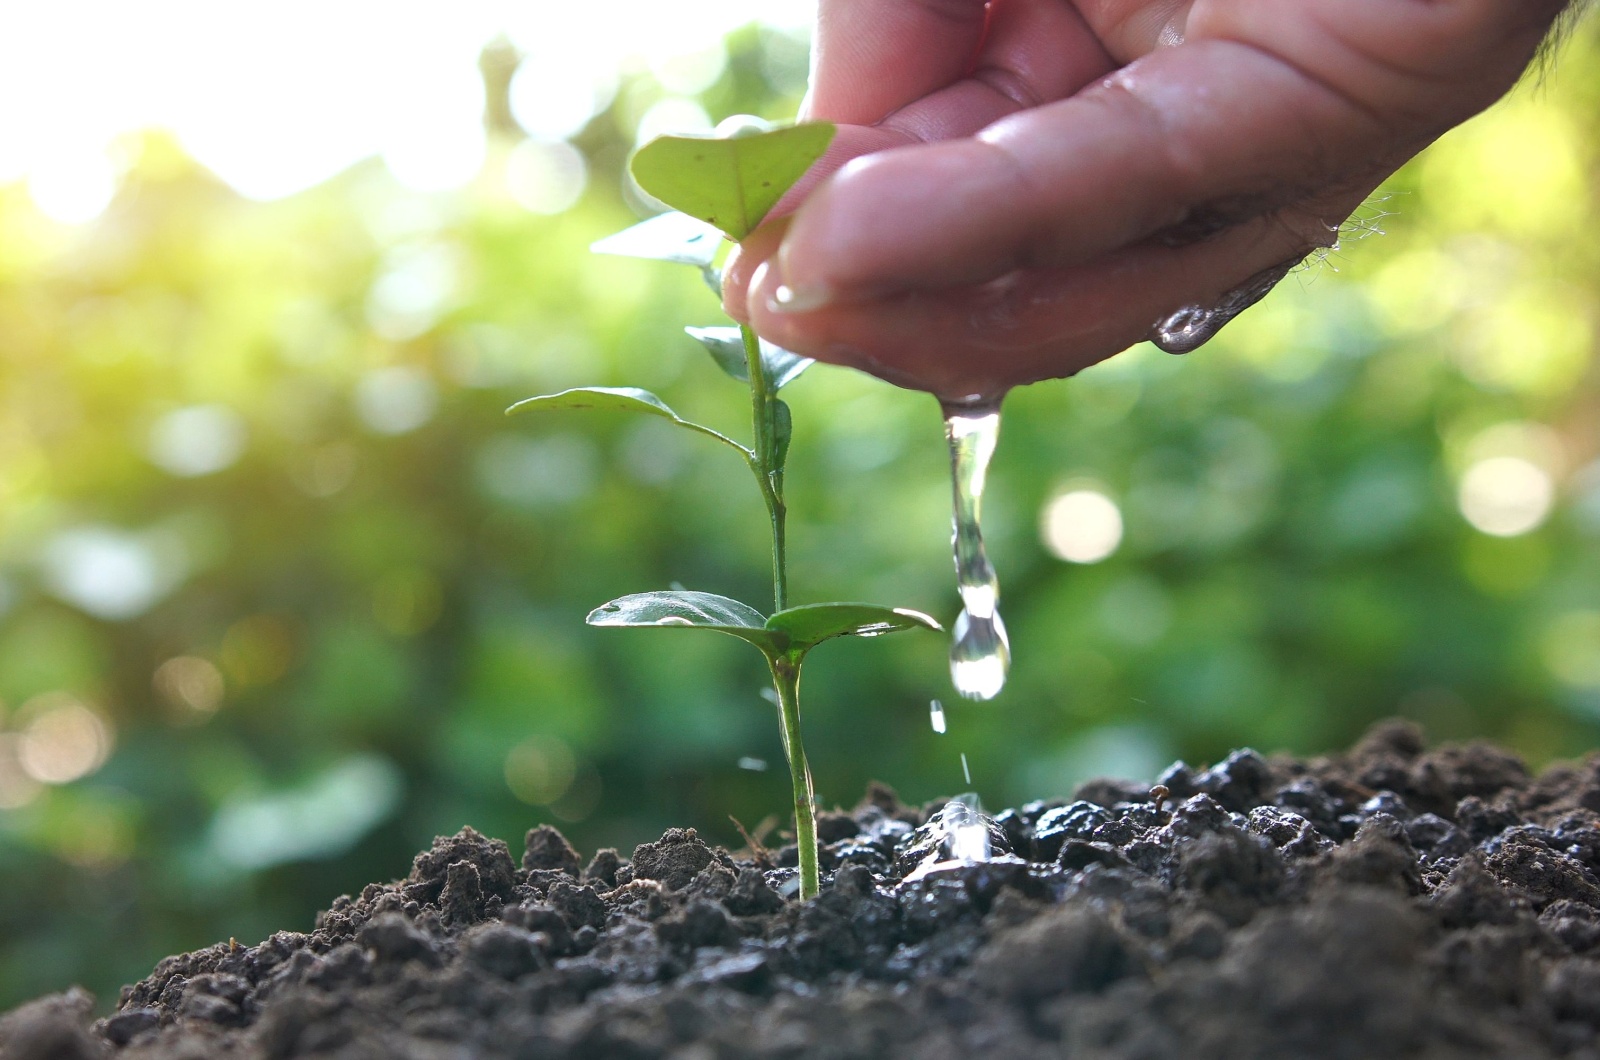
x=755 y=765
x=966 y=770
x=936 y=715
x=980 y=653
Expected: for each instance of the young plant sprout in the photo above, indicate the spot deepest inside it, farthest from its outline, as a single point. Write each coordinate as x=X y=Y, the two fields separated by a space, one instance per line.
x=727 y=183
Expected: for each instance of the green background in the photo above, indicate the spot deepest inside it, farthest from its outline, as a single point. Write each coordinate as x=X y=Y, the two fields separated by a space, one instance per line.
x=395 y=616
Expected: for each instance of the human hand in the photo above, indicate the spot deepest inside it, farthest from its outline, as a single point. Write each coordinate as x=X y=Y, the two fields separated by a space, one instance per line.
x=1021 y=190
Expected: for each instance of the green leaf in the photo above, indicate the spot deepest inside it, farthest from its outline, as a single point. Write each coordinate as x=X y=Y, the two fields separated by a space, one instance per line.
x=726 y=347
x=673 y=236
x=793 y=631
x=696 y=610
x=617 y=399
x=782 y=431
x=729 y=183
x=811 y=624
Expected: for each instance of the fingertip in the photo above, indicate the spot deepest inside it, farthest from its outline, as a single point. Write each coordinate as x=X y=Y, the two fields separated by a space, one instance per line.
x=744 y=261
x=736 y=274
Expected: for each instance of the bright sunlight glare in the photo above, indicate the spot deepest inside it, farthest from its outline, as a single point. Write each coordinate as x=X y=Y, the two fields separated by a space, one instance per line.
x=276 y=98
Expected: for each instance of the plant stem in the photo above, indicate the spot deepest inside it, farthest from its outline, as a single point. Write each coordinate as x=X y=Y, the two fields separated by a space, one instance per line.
x=767 y=463
x=769 y=474
x=786 y=680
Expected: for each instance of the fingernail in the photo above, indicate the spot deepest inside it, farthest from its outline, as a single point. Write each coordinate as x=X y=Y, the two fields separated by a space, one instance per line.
x=779 y=296
x=787 y=298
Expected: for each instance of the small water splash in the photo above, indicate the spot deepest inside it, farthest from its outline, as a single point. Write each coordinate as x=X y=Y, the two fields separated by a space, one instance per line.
x=962 y=832
x=936 y=716
x=980 y=651
x=968 y=841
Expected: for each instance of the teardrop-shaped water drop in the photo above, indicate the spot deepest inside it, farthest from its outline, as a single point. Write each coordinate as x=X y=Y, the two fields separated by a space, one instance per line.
x=1188 y=329
x=980 y=653
x=1192 y=326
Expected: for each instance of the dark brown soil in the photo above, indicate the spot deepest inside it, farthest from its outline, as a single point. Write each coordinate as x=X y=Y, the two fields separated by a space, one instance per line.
x=1384 y=903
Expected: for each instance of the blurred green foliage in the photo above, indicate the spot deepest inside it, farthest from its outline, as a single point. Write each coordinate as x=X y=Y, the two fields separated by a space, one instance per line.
x=277 y=572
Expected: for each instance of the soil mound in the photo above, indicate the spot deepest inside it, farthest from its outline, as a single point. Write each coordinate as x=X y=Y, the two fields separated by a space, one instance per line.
x=1388 y=902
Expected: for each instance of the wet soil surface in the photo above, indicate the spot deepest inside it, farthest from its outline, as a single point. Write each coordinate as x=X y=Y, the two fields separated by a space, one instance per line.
x=1389 y=902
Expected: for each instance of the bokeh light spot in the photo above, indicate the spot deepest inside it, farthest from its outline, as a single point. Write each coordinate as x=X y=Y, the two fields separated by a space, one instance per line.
x=540 y=770
x=63 y=741
x=325 y=470
x=321 y=818
x=546 y=177
x=535 y=473
x=553 y=99
x=672 y=116
x=110 y=573
x=690 y=73
x=1506 y=496
x=417 y=283
x=1081 y=526
x=396 y=400
x=191 y=687
x=197 y=440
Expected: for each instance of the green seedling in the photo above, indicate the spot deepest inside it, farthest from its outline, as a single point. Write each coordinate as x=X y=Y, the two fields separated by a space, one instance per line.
x=724 y=185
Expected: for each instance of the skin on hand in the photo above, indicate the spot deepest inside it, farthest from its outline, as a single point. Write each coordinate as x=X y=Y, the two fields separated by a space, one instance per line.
x=1021 y=189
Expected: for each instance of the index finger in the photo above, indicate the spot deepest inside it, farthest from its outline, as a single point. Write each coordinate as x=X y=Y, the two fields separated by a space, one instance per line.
x=872 y=57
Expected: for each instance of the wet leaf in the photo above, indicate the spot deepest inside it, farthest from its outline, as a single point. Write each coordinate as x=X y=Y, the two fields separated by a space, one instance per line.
x=617 y=399
x=672 y=236
x=731 y=182
x=726 y=347
x=682 y=607
x=811 y=624
x=793 y=631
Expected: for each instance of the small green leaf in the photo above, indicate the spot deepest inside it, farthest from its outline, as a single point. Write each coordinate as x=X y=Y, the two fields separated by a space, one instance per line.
x=673 y=236
x=682 y=607
x=729 y=183
x=782 y=431
x=617 y=399
x=726 y=347
x=811 y=624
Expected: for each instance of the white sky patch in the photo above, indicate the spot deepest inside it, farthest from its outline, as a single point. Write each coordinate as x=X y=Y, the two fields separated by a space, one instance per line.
x=275 y=98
